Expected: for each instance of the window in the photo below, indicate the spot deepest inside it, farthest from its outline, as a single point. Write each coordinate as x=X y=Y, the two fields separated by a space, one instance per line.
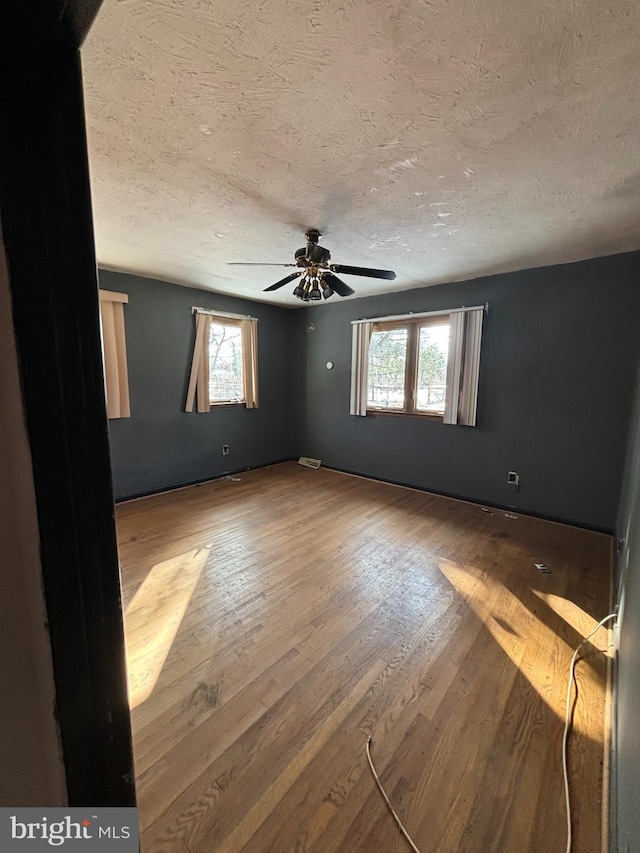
x=424 y=365
x=408 y=366
x=224 y=370
x=226 y=376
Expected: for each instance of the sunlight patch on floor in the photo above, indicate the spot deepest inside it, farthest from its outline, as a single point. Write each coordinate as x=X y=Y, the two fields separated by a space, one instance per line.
x=153 y=618
x=579 y=620
x=499 y=609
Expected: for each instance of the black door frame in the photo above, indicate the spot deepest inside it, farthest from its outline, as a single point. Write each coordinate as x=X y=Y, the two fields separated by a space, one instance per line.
x=45 y=210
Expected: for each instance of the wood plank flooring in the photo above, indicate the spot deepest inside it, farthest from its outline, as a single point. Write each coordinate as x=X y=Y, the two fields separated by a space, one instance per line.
x=273 y=623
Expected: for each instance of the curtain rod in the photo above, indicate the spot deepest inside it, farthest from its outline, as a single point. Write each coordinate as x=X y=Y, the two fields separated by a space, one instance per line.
x=418 y=314
x=196 y=310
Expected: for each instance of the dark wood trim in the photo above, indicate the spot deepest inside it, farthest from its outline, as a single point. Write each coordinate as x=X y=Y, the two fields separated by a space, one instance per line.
x=45 y=207
x=202 y=480
x=400 y=413
x=227 y=404
x=605 y=531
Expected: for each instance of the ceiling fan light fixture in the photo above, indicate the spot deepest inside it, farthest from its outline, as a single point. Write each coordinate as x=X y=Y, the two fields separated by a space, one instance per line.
x=317 y=279
x=326 y=290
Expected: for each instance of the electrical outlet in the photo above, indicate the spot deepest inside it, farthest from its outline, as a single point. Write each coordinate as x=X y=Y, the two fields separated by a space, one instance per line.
x=225 y=449
x=513 y=478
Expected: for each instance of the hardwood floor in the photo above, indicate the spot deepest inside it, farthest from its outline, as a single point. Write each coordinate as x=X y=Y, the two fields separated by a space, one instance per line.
x=275 y=622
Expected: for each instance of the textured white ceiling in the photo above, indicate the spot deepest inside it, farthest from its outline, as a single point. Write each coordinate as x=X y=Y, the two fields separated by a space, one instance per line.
x=445 y=139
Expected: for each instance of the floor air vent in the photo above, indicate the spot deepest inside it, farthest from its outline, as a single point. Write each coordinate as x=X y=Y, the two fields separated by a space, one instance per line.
x=308 y=462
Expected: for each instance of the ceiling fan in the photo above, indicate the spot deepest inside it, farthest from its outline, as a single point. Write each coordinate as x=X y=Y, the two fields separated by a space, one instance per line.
x=317 y=273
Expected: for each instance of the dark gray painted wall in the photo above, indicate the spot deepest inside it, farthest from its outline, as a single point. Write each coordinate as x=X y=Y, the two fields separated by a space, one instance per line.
x=627 y=741
x=557 y=369
x=557 y=372
x=160 y=445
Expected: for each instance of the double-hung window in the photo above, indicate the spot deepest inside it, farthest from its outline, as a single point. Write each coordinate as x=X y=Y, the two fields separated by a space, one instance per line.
x=424 y=365
x=408 y=366
x=224 y=370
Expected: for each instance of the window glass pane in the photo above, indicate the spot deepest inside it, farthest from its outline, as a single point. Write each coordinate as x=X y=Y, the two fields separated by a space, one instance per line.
x=387 y=359
x=225 y=363
x=433 y=351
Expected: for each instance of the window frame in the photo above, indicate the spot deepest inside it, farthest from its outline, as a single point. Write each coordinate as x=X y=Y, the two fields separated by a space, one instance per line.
x=237 y=323
x=413 y=327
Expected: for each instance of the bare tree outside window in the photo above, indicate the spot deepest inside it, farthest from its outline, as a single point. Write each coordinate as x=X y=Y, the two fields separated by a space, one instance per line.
x=433 y=349
x=387 y=361
x=408 y=367
x=225 y=363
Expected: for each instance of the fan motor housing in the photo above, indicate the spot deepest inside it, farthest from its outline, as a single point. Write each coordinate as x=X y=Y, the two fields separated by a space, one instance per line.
x=312 y=253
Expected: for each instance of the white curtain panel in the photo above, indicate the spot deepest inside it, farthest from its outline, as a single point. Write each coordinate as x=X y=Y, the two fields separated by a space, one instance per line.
x=463 y=368
x=198 y=391
x=471 y=374
x=250 y=362
x=454 y=367
x=114 y=352
x=361 y=333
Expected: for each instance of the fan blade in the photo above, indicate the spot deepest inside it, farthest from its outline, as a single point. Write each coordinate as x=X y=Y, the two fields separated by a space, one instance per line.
x=389 y=274
x=283 y=281
x=338 y=286
x=243 y=264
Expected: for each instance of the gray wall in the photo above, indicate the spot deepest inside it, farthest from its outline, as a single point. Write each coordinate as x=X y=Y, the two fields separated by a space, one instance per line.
x=556 y=379
x=626 y=783
x=31 y=769
x=557 y=370
x=161 y=445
